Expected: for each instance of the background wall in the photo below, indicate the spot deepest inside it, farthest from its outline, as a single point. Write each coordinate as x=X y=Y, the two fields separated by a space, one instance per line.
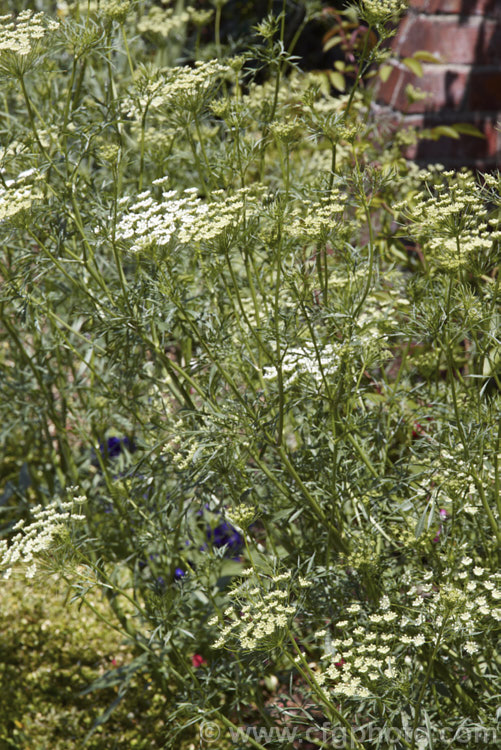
x=465 y=87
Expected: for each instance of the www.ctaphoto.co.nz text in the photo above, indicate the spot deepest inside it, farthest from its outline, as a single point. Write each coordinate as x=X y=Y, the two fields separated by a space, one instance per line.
x=340 y=737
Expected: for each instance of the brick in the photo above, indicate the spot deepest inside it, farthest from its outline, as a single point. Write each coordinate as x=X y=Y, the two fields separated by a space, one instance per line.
x=477 y=40
x=444 y=91
x=467 y=150
x=464 y=88
x=484 y=90
x=453 y=88
x=463 y=8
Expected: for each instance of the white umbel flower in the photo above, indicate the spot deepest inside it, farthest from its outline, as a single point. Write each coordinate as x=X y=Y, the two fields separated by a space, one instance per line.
x=23 y=41
x=36 y=537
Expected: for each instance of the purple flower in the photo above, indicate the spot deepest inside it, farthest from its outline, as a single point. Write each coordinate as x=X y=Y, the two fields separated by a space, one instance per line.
x=443 y=515
x=179 y=573
x=225 y=535
x=160 y=583
x=115 y=445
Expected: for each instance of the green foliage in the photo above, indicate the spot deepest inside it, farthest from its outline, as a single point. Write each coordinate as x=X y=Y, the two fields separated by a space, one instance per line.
x=49 y=654
x=258 y=349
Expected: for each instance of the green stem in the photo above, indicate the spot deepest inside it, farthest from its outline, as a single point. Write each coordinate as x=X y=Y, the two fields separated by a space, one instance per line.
x=497 y=487
x=370 y=228
x=278 y=354
x=204 y=153
x=278 y=79
x=360 y=72
x=217 y=28
x=424 y=685
x=141 y=148
x=280 y=448
x=127 y=50
x=363 y=455
x=82 y=598
x=67 y=105
x=486 y=506
x=304 y=668
x=247 y=738
x=116 y=256
x=340 y=542
x=31 y=118
x=253 y=330
x=279 y=68
x=333 y=165
x=198 y=165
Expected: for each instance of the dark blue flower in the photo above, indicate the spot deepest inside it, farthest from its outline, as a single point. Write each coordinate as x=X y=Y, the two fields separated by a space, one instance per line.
x=160 y=583
x=225 y=535
x=115 y=445
x=179 y=573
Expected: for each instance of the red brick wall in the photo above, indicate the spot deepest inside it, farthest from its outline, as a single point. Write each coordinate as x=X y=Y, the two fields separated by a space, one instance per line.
x=465 y=87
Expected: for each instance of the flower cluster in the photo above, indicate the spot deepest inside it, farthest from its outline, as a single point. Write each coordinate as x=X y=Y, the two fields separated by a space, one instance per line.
x=359 y=659
x=116 y=10
x=146 y=94
x=377 y=12
x=161 y=22
x=263 y=610
x=184 y=217
x=381 y=649
x=241 y=516
x=313 y=221
x=177 y=89
x=449 y=221
x=325 y=116
x=37 y=536
x=23 y=41
x=17 y=197
x=286 y=131
x=451 y=481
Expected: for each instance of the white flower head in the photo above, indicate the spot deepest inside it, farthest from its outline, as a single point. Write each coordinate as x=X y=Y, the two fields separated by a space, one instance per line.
x=24 y=41
x=18 y=196
x=37 y=537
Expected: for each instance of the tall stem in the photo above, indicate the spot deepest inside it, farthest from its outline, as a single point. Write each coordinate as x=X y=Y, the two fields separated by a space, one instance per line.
x=424 y=685
x=304 y=668
x=367 y=212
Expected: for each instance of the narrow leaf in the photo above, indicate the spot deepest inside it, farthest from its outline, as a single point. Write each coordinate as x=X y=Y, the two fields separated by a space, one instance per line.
x=337 y=80
x=467 y=128
x=414 y=66
x=332 y=42
x=426 y=56
x=446 y=130
x=385 y=72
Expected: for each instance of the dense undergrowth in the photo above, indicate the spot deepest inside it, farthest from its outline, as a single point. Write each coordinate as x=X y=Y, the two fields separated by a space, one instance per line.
x=49 y=656
x=249 y=394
